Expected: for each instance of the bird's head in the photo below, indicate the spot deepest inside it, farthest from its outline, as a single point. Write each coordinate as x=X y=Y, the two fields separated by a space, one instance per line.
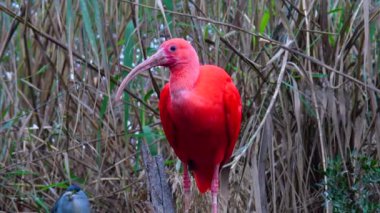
x=71 y=191
x=174 y=53
x=73 y=188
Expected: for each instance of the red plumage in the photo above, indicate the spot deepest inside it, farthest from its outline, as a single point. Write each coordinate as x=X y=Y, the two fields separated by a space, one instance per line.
x=203 y=126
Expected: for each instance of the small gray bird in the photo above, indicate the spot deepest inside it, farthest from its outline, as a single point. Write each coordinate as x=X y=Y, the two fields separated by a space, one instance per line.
x=74 y=200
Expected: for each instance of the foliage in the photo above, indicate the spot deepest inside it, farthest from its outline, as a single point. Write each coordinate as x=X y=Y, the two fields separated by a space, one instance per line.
x=308 y=73
x=354 y=188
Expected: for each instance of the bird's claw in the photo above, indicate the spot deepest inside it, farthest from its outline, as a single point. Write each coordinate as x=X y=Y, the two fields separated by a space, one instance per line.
x=187 y=200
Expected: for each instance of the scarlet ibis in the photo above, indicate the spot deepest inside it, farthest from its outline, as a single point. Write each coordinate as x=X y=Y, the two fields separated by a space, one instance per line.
x=200 y=111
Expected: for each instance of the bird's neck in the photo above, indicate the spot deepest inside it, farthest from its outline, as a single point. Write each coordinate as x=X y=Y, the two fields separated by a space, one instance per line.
x=184 y=76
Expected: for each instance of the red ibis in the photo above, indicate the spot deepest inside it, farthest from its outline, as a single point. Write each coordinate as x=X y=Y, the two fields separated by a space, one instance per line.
x=200 y=111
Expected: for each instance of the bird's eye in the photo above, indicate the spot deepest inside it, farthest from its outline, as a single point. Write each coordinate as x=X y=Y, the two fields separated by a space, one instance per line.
x=173 y=48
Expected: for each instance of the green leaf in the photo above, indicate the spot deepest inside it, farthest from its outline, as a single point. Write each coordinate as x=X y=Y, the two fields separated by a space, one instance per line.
x=169 y=5
x=319 y=75
x=103 y=108
x=88 y=29
x=19 y=173
x=148 y=95
x=62 y=185
x=70 y=16
x=149 y=137
x=41 y=203
x=129 y=44
x=100 y=31
x=6 y=125
x=169 y=162
x=42 y=69
x=335 y=10
x=264 y=21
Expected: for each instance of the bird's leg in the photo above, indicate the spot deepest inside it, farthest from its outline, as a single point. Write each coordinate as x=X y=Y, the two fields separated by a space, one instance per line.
x=186 y=187
x=214 y=189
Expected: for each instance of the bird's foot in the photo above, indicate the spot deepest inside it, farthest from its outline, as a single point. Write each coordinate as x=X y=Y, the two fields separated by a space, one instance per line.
x=215 y=189
x=214 y=202
x=186 y=188
x=187 y=200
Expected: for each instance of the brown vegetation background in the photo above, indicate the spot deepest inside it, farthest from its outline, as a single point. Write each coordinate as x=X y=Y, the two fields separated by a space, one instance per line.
x=307 y=71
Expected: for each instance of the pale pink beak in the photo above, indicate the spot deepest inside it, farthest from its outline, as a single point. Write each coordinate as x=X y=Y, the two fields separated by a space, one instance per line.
x=157 y=59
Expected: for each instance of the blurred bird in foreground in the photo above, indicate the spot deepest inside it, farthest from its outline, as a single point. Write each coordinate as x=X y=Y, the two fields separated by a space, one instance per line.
x=74 y=200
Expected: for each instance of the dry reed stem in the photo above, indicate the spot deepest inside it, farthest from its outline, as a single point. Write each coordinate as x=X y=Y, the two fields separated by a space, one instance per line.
x=305 y=104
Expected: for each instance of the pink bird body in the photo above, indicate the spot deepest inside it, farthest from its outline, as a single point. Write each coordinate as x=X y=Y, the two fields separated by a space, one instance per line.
x=200 y=111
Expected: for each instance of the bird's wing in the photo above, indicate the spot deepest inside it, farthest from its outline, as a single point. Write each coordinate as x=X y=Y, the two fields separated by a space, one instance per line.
x=232 y=109
x=55 y=208
x=166 y=121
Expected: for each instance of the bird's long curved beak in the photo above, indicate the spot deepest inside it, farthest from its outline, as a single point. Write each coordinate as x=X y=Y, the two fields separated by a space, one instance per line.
x=157 y=59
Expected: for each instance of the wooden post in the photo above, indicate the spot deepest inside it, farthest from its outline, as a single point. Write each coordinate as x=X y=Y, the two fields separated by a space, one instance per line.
x=158 y=186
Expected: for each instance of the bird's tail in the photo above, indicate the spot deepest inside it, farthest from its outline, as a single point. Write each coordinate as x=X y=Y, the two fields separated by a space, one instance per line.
x=203 y=178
